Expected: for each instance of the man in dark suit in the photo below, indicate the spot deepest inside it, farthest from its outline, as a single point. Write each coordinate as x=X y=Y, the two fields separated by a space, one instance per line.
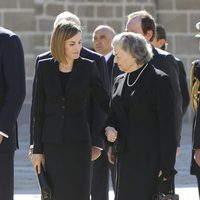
x=142 y=22
x=160 y=41
x=102 y=38
x=12 y=87
x=96 y=117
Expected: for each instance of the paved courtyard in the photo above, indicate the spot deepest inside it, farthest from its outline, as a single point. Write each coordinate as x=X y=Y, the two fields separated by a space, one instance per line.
x=26 y=186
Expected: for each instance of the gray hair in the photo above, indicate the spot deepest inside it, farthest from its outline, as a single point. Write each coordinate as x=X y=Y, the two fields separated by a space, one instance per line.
x=105 y=27
x=135 y=44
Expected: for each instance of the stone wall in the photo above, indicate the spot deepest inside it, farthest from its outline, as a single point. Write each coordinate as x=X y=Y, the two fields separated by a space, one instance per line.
x=33 y=21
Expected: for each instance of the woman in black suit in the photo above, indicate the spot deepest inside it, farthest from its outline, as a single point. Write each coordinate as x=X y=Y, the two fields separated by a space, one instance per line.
x=61 y=138
x=140 y=120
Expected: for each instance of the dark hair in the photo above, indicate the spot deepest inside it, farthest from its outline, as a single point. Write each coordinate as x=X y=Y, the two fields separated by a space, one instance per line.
x=147 y=21
x=160 y=32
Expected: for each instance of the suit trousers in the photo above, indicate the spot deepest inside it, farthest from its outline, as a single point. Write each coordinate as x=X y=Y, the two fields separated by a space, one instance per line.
x=6 y=175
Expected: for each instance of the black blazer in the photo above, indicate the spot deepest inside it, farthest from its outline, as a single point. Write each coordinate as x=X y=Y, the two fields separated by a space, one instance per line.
x=110 y=64
x=101 y=65
x=12 y=86
x=166 y=62
x=113 y=69
x=96 y=117
x=63 y=118
x=149 y=127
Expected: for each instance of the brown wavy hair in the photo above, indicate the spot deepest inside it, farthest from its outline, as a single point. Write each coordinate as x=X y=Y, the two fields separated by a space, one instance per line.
x=194 y=88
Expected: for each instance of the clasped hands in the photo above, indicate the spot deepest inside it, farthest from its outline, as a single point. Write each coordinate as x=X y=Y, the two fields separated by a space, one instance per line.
x=111 y=134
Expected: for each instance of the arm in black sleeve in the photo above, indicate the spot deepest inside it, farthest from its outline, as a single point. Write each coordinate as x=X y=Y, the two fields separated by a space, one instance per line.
x=33 y=96
x=172 y=71
x=166 y=122
x=184 y=87
x=98 y=89
x=14 y=77
x=38 y=111
x=103 y=72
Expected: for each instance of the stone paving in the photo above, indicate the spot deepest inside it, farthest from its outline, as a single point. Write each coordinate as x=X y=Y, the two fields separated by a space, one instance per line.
x=26 y=186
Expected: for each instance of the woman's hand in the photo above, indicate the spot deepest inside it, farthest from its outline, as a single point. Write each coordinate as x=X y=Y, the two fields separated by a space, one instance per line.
x=37 y=160
x=111 y=134
x=96 y=152
x=197 y=156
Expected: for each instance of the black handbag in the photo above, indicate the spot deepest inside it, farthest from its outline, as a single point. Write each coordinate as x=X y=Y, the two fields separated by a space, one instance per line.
x=44 y=186
x=165 y=190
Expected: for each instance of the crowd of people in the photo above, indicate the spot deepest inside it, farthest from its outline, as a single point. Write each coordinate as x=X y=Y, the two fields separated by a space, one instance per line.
x=114 y=109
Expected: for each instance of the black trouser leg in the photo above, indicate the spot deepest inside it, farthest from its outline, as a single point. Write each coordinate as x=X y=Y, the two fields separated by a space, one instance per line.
x=6 y=176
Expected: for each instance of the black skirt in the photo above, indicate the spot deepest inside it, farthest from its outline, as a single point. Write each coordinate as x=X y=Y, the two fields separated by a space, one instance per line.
x=68 y=170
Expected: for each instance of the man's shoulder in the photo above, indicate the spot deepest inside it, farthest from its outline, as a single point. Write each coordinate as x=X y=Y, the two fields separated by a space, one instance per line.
x=161 y=52
x=7 y=35
x=6 y=32
x=85 y=61
x=44 y=55
x=92 y=55
x=163 y=57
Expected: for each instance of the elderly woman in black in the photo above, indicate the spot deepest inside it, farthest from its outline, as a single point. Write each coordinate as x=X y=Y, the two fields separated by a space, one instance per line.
x=141 y=120
x=62 y=141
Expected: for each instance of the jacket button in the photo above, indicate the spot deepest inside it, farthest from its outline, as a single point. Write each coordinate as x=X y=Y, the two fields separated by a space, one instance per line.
x=63 y=107
x=63 y=98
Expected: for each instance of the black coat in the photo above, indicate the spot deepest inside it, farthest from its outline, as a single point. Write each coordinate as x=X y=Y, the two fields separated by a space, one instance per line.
x=63 y=118
x=113 y=69
x=96 y=117
x=183 y=86
x=146 y=135
x=12 y=86
x=166 y=62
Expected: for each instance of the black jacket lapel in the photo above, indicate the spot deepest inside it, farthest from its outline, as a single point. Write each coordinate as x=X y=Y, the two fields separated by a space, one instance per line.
x=54 y=76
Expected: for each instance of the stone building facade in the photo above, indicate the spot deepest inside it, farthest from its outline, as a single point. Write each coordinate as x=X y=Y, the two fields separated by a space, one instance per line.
x=33 y=21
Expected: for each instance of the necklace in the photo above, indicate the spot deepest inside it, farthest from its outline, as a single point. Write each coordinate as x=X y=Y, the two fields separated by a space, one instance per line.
x=128 y=77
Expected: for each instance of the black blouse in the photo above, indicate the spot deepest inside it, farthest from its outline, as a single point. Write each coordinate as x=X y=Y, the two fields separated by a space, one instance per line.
x=64 y=78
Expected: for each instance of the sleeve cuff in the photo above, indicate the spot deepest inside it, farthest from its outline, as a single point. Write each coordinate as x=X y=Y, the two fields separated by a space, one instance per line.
x=3 y=134
x=98 y=148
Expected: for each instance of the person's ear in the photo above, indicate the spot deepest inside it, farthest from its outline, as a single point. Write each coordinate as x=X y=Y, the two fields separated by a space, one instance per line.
x=161 y=42
x=149 y=35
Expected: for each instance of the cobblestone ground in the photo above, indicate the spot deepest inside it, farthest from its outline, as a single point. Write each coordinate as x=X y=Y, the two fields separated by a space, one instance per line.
x=26 y=186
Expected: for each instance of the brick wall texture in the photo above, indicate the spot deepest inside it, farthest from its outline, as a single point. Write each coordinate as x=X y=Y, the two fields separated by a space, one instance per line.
x=33 y=21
